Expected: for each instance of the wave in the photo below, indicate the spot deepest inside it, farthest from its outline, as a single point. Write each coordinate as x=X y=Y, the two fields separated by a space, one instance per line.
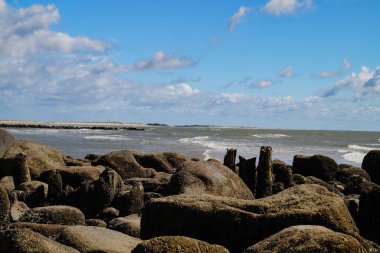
x=273 y=136
x=359 y=148
x=106 y=137
x=356 y=157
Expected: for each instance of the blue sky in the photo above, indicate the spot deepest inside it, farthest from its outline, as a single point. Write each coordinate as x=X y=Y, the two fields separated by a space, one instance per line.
x=303 y=64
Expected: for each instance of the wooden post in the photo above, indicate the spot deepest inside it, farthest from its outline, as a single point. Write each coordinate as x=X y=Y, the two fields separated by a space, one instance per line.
x=247 y=172
x=264 y=173
x=23 y=172
x=229 y=159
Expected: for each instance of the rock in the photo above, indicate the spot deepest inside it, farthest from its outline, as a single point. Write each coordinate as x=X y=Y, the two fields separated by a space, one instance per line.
x=319 y=166
x=149 y=184
x=247 y=172
x=27 y=241
x=7 y=183
x=32 y=186
x=64 y=215
x=314 y=180
x=54 y=180
x=69 y=161
x=284 y=175
x=97 y=239
x=18 y=209
x=6 y=139
x=109 y=213
x=4 y=207
x=237 y=224
x=161 y=162
x=209 y=177
x=40 y=157
x=371 y=164
x=96 y=223
x=177 y=244
x=91 y=157
x=130 y=202
x=352 y=203
x=347 y=173
x=129 y=225
x=124 y=162
x=22 y=173
x=75 y=175
x=368 y=217
x=358 y=185
x=51 y=231
x=106 y=188
x=299 y=179
x=308 y=238
x=35 y=197
x=151 y=195
x=264 y=182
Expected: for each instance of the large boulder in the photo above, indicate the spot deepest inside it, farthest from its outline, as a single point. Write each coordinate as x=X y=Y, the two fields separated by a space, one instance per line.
x=161 y=162
x=346 y=173
x=371 y=164
x=308 y=238
x=97 y=239
x=238 y=224
x=64 y=215
x=369 y=214
x=27 y=241
x=129 y=225
x=319 y=166
x=4 y=207
x=6 y=139
x=208 y=177
x=40 y=157
x=75 y=175
x=177 y=244
x=124 y=162
x=51 y=231
x=7 y=183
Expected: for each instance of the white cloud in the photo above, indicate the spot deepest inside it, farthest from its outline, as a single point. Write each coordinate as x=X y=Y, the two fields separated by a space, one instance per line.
x=288 y=72
x=328 y=74
x=262 y=84
x=160 y=60
x=361 y=83
x=285 y=7
x=237 y=17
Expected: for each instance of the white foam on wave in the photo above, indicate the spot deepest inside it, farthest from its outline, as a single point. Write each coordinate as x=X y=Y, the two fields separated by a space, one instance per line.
x=204 y=141
x=274 y=136
x=106 y=137
x=356 y=157
x=359 y=148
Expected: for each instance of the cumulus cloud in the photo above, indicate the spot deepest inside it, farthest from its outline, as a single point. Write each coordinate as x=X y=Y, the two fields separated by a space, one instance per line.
x=262 y=84
x=329 y=74
x=161 y=60
x=288 y=72
x=362 y=83
x=286 y=7
x=237 y=17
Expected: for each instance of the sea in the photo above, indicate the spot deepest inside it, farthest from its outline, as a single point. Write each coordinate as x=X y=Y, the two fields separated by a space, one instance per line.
x=208 y=142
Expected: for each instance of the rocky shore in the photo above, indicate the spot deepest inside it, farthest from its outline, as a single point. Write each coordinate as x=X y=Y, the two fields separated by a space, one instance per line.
x=126 y=201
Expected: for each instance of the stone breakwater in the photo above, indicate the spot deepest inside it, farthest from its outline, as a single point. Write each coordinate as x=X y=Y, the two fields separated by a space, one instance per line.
x=125 y=201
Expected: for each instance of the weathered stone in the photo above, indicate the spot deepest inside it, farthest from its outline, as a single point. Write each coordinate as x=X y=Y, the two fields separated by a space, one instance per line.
x=124 y=162
x=54 y=180
x=264 y=182
x=96 y=223
x=208 y=177
x=69 y=161
x=4 y=207
x=51 y=231
x=22 y=174
x=130 y=202
x=97 y=239
x=308 y=238
x=161 y=162
x=177 y=244
x=369 y=218
x=371 y=164
x=7 y=183
x=247 y=172
x=149 y=184
x=319 y=166
x=91 y=157
x=109 y=213
x=32 y=186
x=151 y=195
x=27 y=241
x=129 y=225
x=284 y=175
x=106 y=188
x=359 y=185
x=347 y=173
x=6 y=139
x=40 y=157
x=352 y=203
x=75 y=175
x=230 y=158
x=238 y=224
x=64 y=215
x=314 y=180
x=18 y=209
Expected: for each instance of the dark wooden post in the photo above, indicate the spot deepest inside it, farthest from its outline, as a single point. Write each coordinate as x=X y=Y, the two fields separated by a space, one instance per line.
x=230 y=158
x=23 y=172
x=264 y=173
x=247 y=172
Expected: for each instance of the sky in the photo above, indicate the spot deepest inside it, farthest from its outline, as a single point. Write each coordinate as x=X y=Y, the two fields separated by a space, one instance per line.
x=298 y=64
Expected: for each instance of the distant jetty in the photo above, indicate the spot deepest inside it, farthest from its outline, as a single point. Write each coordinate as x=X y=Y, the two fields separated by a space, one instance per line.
x=72 y=125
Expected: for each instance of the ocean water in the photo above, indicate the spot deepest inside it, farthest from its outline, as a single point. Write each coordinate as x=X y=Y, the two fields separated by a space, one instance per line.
x=209 y=142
